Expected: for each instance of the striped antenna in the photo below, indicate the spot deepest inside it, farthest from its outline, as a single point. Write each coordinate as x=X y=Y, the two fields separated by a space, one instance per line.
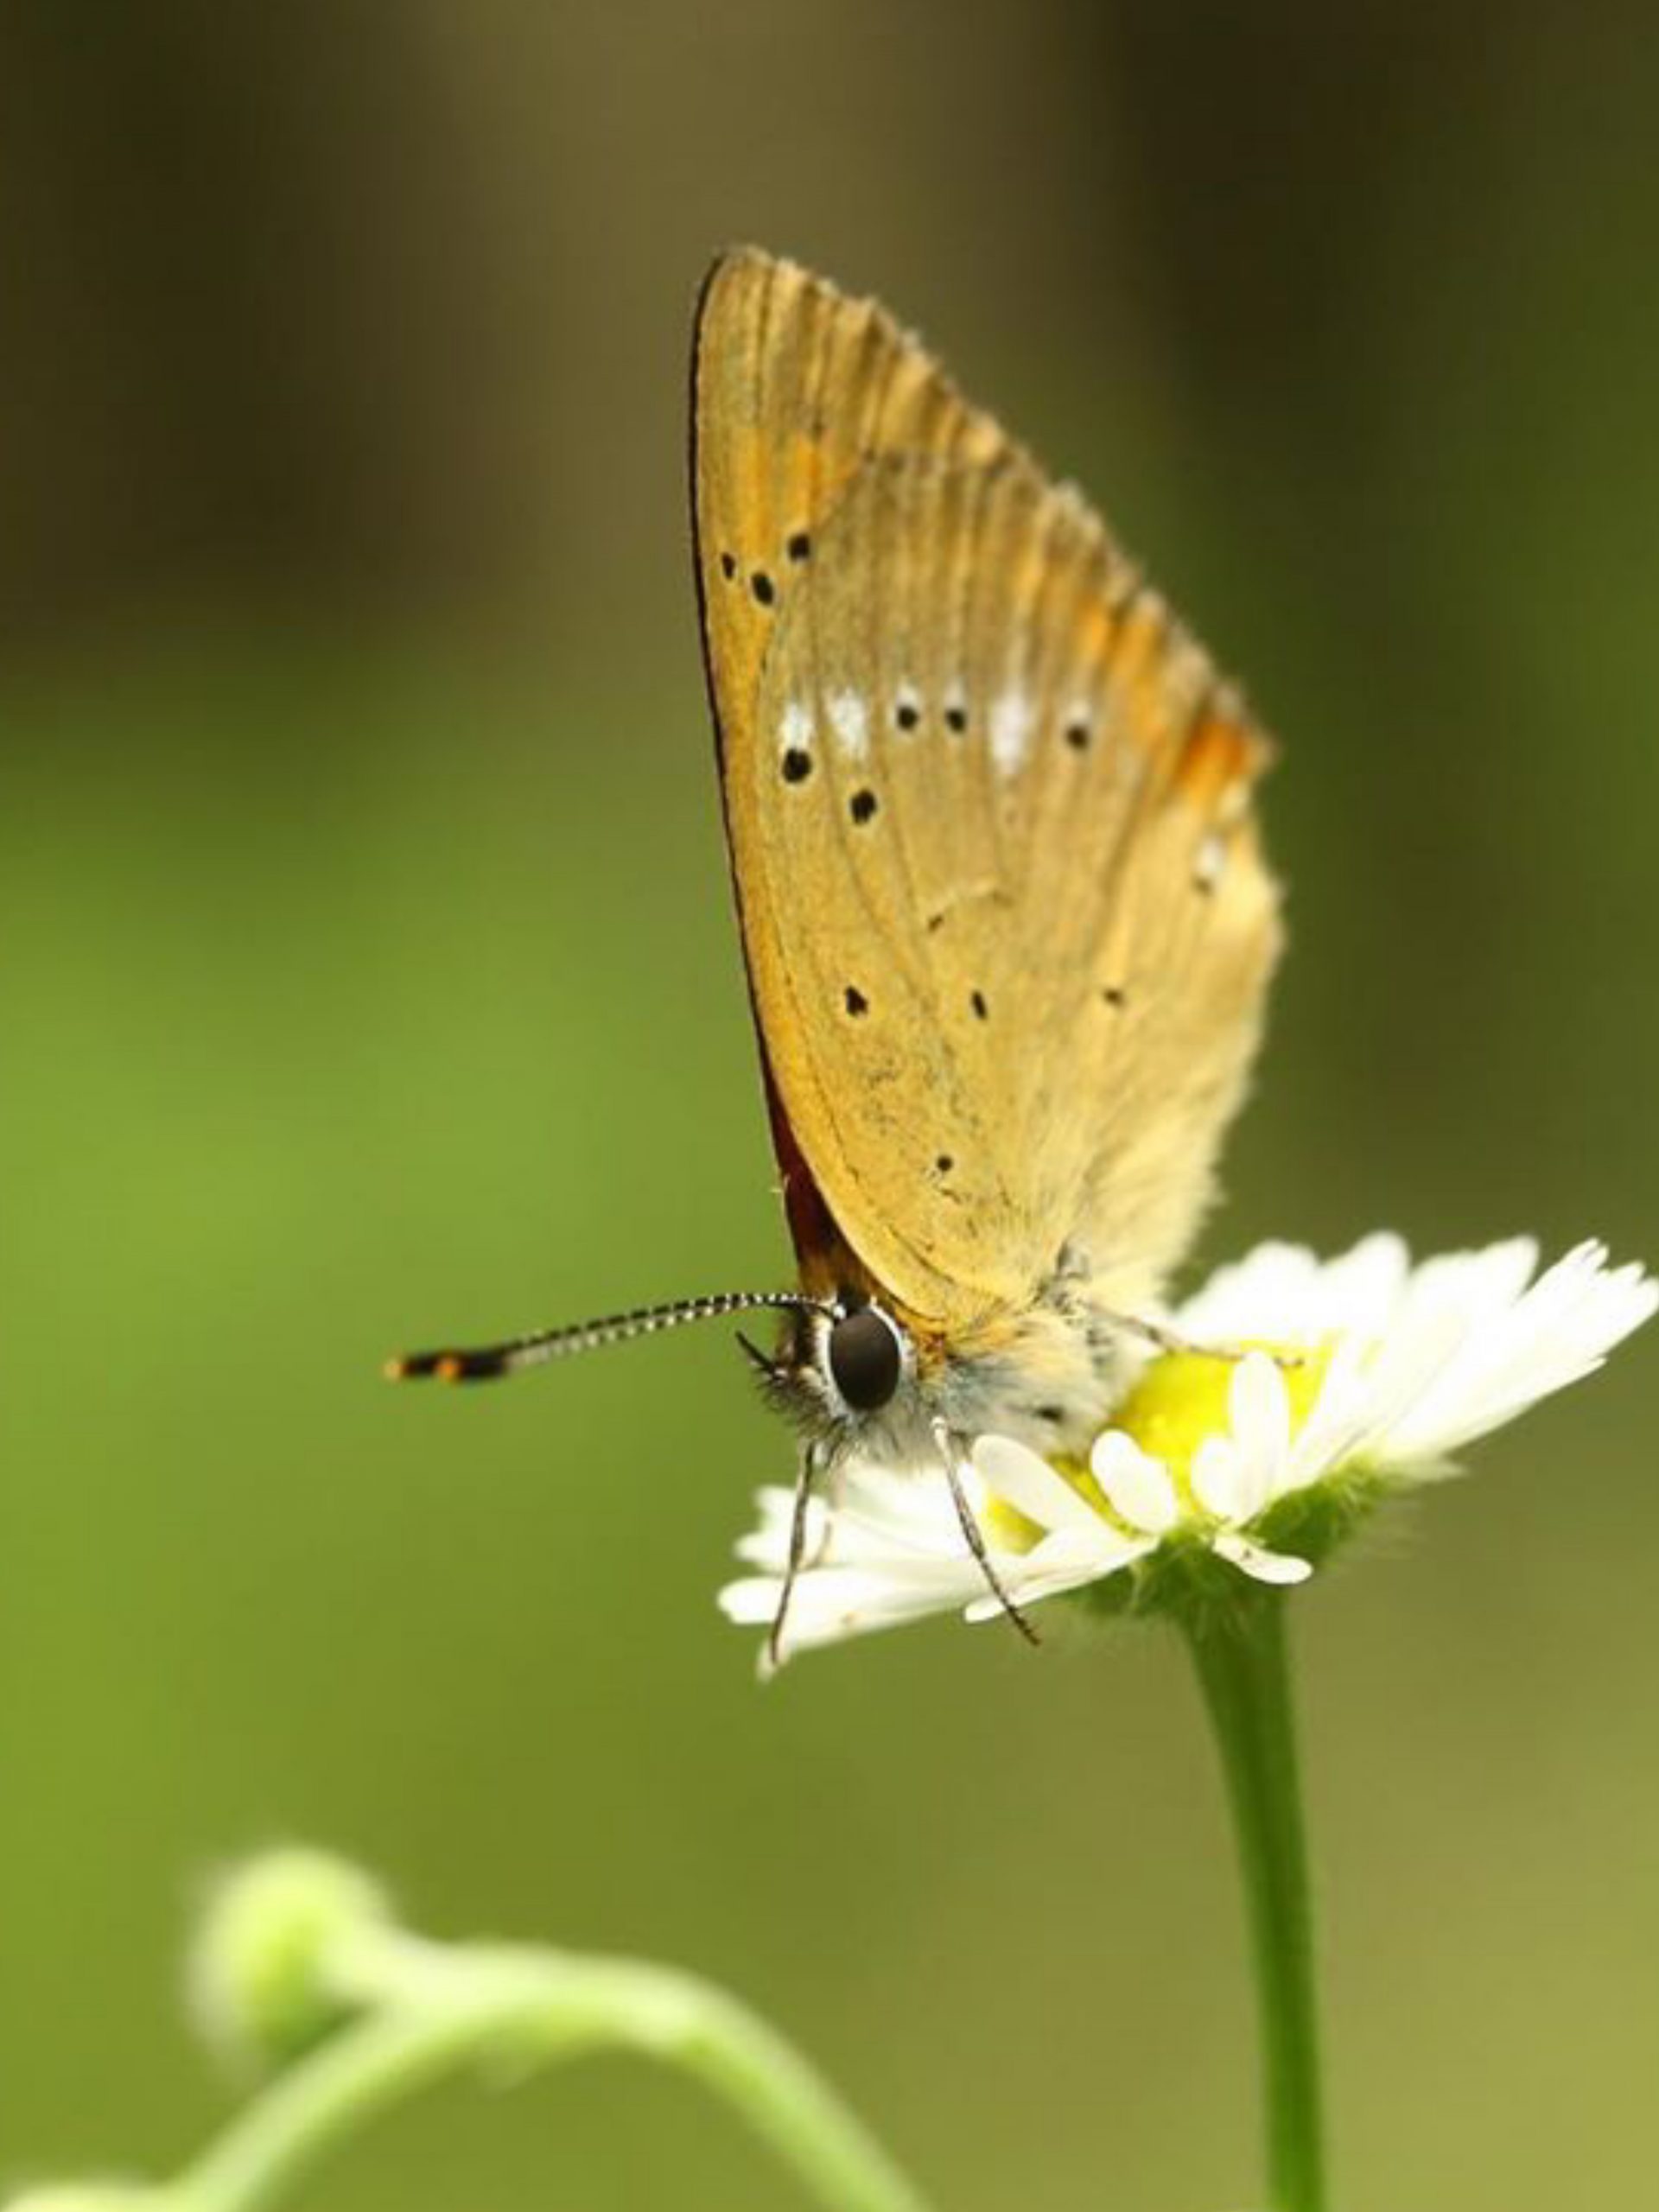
x=488 y=1363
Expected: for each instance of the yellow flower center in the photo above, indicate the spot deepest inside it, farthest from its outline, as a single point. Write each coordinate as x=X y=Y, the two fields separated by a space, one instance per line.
x=1182 y=1398
x=1178 y=1401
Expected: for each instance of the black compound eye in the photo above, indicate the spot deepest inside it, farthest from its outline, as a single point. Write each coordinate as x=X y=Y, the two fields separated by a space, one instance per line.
x=865 y=1363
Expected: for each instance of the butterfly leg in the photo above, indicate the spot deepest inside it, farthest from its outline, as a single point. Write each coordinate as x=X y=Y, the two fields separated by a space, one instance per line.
x=974 y=1536
x=1168 y=1340
x=806 y=1478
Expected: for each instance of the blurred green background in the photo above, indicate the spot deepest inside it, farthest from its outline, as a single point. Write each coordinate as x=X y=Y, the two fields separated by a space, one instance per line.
x=370 y=978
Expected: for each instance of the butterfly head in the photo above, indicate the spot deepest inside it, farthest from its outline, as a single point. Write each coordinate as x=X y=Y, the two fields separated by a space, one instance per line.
x=846 y=1372
x=857 y=1373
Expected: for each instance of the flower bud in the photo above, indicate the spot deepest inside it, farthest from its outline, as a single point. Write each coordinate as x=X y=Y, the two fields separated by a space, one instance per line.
x=263 y=1974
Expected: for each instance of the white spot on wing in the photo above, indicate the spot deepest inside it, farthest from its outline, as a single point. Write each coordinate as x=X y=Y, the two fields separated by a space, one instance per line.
x=1211 y=860
x=795 y=729
x=907 y=706
x=1010 y=730
x=850 y=718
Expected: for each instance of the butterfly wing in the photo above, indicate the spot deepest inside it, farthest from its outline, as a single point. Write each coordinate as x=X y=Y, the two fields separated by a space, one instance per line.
x=1007 y=929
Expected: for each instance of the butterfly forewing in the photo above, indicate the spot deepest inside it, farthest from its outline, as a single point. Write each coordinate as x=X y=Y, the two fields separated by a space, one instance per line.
x=1006 y=932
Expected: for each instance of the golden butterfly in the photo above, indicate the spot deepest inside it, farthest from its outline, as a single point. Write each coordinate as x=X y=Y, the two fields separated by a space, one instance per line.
x=1008 y=928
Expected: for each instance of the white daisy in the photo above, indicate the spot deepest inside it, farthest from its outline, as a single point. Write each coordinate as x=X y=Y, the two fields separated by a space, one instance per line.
x=1366 y=1374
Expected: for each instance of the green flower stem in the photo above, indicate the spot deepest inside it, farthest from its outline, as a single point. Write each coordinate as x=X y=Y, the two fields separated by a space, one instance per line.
x=436 y=2012
x=1243 y=1669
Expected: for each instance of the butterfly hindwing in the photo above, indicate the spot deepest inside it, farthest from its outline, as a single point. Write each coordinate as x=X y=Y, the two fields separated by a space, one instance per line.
x=1006 y=932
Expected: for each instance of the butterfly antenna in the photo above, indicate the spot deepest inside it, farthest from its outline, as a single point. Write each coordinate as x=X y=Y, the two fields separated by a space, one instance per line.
x=488 y=1363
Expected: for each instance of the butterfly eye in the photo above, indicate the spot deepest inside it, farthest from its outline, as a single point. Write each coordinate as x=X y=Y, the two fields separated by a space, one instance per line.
x=865 y=1361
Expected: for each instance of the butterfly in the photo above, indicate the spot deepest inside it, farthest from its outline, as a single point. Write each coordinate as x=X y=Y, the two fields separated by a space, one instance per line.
x=1008 y=928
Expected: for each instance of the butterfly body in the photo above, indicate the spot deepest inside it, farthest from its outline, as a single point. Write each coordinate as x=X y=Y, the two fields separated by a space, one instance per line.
x=1007 y=927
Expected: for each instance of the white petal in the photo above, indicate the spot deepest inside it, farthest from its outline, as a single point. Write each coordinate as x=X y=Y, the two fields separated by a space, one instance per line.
x=1552 y=1334
x=1360 y=1289
x=1337 y=1420
x=891 y=1516
x=767 y=1546
x=883 y=1548
x=751 y=1601
x=1137 y=1486
x=1026 y=1481
x=829 y=1604
x=1260 y=1405
x=1215 y=1478
x=1400 y=1374
x=1065 y=1560
x=1478 y=1285
x=1271 y=1292
x=1254 y=1560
